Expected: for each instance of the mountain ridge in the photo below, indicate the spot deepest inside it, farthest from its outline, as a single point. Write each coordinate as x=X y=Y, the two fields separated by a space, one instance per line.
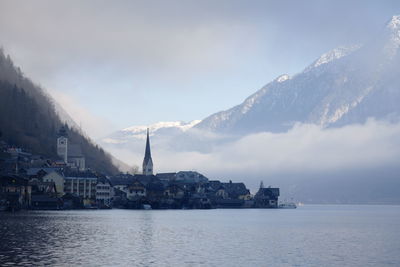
x=324 y=93
x=341 y=87
x=32 y=119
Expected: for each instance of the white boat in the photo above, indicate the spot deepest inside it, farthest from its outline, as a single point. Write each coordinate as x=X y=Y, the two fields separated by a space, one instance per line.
x=146 y=207
x=287 y=205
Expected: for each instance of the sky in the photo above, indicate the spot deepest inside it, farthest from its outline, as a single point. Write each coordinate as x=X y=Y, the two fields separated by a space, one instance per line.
x=115 y=64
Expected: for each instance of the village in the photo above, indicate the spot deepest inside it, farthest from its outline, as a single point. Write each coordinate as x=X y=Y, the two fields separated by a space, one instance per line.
x=30 y=181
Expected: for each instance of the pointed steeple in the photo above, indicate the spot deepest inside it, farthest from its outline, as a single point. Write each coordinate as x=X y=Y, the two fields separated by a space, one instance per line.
x=147 y=154
x=147 y=161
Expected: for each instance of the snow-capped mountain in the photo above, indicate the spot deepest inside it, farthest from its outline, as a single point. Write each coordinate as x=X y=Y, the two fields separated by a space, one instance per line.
x=133 y=137
x=139 y=132
x=346 y=85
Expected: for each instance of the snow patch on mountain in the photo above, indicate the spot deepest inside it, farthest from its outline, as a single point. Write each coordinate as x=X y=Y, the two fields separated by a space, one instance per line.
x=139 y=132
x=332 y=55
x=282 y=78
x=394 y=23
x=160 y=125
x=393 y=34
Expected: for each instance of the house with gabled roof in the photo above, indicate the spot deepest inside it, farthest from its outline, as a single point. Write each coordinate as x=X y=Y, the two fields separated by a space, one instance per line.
x=236 y=190
x=266 y=197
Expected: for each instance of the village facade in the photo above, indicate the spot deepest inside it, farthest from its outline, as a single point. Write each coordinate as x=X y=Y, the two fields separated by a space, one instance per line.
x=30 y=181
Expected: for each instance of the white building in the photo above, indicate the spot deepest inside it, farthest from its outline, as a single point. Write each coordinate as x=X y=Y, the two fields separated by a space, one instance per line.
x=82 y=184
x=104 y=192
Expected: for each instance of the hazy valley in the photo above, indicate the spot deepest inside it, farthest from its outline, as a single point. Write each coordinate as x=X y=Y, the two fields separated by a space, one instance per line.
x=332 y=126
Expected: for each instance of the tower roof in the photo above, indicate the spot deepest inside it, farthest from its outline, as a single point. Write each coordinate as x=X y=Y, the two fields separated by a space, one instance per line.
x=147 y=154
x=63 y=131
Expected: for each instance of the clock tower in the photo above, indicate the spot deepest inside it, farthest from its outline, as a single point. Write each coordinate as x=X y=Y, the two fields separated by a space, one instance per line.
x=62 y=144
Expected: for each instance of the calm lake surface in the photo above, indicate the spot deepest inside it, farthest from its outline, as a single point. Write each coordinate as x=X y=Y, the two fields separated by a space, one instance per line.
x=312 y=235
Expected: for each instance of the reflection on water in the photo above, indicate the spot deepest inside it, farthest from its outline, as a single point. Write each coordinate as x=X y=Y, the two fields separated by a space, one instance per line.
x=308 y=236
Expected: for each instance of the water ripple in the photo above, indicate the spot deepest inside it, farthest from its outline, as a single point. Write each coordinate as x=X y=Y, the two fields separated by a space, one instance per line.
x=309 y=236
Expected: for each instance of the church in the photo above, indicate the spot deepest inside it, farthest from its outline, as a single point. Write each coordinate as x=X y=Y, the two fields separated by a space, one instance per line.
x=71 y=154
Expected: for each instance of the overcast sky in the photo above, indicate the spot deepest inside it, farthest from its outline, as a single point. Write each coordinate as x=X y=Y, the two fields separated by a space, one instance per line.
x=114 y=64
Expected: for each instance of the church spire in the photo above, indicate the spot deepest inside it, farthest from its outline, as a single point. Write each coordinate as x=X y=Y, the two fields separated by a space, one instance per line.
x=147 y=154
x=147 y=161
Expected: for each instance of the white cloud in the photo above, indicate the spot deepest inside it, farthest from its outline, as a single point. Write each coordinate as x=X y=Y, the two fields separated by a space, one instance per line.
x=93 y=125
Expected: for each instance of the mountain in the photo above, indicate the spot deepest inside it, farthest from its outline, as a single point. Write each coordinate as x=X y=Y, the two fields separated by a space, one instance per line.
x=30 y=119
x=310 y=134
x=344 y=86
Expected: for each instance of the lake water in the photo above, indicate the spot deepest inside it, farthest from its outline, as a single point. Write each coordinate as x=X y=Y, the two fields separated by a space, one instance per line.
x=312 y=235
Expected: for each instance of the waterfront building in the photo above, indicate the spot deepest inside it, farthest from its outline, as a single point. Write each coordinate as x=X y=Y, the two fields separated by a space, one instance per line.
x=147 y=166
x=213 y=185
x=221 y=193
x=136 y=190
x=122 y=181
x=174 y=191
x=237 y=190
x=266 y=197
x=155 y=191
x=38 y=187
x=199 y=201
x=58 y=179
x=15 y=192
x=44 y=195
x=104 y=192
x=119 y=200
x=83 y=185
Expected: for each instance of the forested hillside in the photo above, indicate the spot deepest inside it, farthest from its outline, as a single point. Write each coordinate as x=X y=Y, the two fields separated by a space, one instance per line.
x=29 y=120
